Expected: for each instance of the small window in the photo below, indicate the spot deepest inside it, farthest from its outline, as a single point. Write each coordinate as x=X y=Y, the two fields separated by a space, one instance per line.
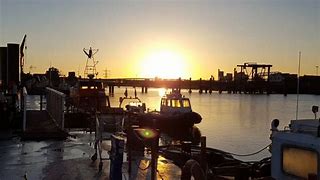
x=175 y=103
x=168 y=102
x=163 y=102
x=299 y=162
x=186 y=103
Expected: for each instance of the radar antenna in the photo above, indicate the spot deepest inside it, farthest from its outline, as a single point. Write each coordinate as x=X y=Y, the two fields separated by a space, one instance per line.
x=90 y=69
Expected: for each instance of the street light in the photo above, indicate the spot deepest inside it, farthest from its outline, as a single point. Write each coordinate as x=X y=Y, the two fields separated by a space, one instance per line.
x=317 y=70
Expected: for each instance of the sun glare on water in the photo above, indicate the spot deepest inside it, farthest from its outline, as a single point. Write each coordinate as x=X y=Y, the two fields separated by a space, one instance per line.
x=163 y=64
x=162 y=92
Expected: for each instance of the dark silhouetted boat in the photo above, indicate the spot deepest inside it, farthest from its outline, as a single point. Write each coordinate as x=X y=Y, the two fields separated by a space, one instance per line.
x=175 y=114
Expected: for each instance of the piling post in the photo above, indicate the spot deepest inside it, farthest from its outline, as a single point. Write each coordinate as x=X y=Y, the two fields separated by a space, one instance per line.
x=268 y=81
x=154 y=157
x=190 y=82
x=144 y=85
x=179 y=84
x=200 y=86
x=210 y=84
x=284 y=88
x=240 y=84
x=203 y=154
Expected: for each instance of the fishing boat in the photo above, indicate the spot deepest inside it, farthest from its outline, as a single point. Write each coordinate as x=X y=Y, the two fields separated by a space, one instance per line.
x=89 y=96
x=175 y=117
x=295 y=150
x=175 y=103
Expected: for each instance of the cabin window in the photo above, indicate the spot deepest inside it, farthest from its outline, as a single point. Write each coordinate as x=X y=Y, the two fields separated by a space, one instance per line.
x=168 y=102
x=299 y=162
x=186 y=103
x=175 y=103
x=163 y=102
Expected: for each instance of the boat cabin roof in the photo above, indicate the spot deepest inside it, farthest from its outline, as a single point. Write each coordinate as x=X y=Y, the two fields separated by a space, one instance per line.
x=175 y=102
x=90 y=84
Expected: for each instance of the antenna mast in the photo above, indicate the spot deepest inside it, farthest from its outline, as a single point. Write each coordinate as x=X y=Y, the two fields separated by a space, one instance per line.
x=22 y=56
x=90 y=69
x=298 y=85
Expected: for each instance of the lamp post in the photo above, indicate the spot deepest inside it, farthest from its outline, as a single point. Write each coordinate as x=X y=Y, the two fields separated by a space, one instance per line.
x=317 y=67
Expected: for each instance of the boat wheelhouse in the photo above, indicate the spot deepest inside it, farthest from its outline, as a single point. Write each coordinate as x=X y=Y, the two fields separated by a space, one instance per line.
x=296 y=150
x=175 y=103
x=89 y=95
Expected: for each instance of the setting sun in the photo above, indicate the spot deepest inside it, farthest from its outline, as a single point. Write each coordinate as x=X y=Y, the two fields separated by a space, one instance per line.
x=164 y=64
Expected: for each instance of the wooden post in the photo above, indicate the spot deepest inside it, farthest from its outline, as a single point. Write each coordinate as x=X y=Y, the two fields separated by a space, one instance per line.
x=190 y=91
x=200 y=86
x=268 y=81
x=154 y=157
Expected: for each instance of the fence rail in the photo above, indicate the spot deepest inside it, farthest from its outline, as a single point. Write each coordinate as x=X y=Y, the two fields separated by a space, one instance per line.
x=56 y=105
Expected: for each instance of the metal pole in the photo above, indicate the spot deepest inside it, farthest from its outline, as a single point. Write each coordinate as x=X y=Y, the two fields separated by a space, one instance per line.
x=154 y=158
x=203 y=152
x=298 y=85
x=24 y=94
x=41 y=99
x=62 y=108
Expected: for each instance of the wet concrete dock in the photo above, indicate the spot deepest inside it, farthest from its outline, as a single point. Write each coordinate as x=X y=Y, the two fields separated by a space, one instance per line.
x=68 y=159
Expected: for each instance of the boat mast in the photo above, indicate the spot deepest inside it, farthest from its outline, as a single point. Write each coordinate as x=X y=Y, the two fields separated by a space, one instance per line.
x=298 y=85
x=90 y=69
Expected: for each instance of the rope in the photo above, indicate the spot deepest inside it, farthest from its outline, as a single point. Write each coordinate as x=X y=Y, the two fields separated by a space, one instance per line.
x=251 y=153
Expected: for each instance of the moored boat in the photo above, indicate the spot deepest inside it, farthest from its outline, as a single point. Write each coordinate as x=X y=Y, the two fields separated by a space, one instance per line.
x=89 y=95
x=296 y=149
x=175 y=112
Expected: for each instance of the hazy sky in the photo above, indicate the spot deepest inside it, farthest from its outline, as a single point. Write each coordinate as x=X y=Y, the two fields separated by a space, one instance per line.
x=206 y=35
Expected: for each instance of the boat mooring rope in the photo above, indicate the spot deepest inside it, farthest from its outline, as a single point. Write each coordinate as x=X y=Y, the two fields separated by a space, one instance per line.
x=257 y=152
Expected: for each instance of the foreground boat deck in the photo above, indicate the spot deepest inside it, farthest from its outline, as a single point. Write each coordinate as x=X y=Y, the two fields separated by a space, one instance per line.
x=68 y=159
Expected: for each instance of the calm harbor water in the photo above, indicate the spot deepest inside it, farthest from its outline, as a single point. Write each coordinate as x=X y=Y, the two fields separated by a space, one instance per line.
x=238 y=123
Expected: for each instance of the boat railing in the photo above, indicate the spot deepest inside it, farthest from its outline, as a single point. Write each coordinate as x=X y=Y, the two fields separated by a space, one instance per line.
x=56 y=105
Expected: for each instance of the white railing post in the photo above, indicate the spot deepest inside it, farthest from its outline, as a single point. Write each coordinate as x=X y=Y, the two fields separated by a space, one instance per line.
x=55 y=106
